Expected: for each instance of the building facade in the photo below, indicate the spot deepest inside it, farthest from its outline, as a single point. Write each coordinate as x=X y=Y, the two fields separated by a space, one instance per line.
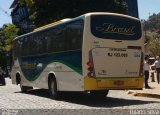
x=132 y=8
x=20 y=17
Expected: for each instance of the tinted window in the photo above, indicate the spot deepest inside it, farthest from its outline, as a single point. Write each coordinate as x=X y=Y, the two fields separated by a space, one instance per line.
x=55 y=39
x=63 y=37
x=74 y=35
x=115 y=27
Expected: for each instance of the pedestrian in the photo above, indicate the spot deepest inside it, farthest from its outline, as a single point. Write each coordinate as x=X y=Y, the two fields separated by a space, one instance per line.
x=146 y=72
x=152 y=68
x=157 y=65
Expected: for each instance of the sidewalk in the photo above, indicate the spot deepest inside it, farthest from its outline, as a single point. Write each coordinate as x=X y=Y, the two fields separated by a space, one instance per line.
x=154 y=92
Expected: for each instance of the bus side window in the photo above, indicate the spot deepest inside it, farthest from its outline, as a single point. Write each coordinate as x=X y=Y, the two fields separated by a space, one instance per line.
x=54 y=39
x=62 y=37
x=75 y=35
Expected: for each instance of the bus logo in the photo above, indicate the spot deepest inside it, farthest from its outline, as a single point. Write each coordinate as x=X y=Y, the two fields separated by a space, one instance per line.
x=111 y=28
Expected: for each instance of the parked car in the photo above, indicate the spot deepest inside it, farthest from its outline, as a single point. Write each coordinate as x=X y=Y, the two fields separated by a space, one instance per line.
x=2 y=80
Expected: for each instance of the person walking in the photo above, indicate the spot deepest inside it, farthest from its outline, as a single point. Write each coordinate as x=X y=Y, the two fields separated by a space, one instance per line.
x=146 y=72
x=152 y=69
x=157 y=65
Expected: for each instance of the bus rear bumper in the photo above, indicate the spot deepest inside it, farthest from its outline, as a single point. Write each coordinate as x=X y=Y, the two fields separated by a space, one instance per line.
x=113 y=83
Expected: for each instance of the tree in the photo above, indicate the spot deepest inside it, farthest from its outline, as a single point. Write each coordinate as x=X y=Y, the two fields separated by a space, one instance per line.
x=7 y=33
x=154 y=45
x=153 y=22
x=47 y=11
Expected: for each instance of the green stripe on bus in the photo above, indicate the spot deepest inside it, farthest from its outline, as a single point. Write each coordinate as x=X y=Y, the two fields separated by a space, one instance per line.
x=79 y=71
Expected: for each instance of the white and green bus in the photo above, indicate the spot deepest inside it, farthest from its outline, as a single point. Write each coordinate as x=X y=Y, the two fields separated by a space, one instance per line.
x=94 y=53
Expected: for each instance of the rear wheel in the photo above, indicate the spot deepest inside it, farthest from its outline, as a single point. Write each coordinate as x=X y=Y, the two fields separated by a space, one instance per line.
x=99 y=94
x=24 y=89
x=53 y=88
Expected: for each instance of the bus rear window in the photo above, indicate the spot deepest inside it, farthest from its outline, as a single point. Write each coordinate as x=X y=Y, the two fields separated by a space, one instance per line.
x=115 y=27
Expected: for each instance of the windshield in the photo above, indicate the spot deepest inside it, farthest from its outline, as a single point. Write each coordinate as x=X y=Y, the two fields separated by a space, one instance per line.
x=115 y=27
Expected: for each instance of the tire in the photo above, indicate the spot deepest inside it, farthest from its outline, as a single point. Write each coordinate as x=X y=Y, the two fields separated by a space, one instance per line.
x=99 y=94
x=24 y=89
x=53 y=88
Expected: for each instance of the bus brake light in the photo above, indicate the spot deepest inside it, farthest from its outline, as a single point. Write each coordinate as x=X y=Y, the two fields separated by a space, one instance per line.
x=90 y=69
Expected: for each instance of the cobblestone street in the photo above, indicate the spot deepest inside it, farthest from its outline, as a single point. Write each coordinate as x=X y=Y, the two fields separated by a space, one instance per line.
x=71 y=103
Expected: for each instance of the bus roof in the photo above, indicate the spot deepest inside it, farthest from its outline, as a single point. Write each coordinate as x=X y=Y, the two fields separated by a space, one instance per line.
x=68 y=20
x=51 y=24
x=118 y=14
x=48 y=26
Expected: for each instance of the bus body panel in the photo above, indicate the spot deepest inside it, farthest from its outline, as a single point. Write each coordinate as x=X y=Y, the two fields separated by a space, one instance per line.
x=116 y=62
x=15 y=70
x=46 y=51
x=113 y=83
x=67 y=78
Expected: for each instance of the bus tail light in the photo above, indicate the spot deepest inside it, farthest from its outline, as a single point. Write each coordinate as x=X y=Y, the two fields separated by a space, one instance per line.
x=90 y=65
x=90 y=74
x=90 y=69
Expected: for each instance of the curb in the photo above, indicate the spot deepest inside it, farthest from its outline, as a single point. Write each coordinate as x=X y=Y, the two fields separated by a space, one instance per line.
x=144 y=94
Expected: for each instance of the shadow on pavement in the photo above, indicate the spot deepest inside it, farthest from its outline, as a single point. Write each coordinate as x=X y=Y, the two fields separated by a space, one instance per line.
x=85 y=99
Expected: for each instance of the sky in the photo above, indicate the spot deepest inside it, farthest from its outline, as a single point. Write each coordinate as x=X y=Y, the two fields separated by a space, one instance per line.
x=146 y=8
x=4 y=7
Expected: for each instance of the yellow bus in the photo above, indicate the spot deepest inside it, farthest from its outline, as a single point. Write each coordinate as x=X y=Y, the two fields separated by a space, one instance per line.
x=94 y=53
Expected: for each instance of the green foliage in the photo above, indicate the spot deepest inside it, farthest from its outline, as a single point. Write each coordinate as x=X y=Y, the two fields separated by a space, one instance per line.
x=153 y=23
x=147 y=39
x=152 y=38
x=9 y=33
x=47 y=11
x=22 y=2
x=154 y=45
x=28 y=2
